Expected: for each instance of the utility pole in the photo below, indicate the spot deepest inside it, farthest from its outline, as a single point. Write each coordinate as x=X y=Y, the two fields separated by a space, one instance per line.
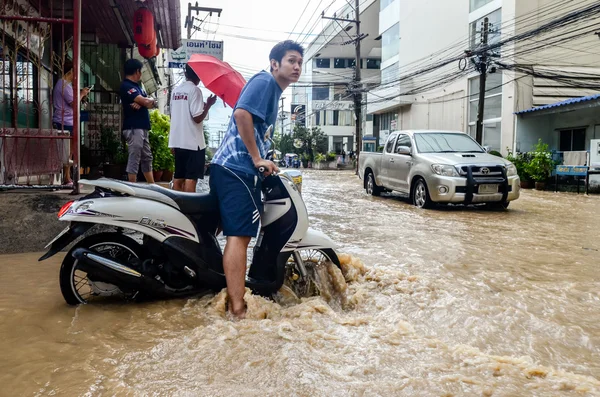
x=356 y=85
x=358 y=91
x=189 y=20
x=189 y=24
x=482 y=79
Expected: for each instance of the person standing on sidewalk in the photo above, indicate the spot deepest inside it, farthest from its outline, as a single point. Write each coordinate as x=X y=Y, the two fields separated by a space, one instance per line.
x=136 y=121
x=62 y=118
x=234 y=175
x=186 y=137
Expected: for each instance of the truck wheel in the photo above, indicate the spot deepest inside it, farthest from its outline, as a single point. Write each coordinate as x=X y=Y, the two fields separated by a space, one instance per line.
x=371 y=186
x=420 y=195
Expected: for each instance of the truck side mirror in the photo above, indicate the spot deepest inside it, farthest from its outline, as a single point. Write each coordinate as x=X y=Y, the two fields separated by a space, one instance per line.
x=405 y=150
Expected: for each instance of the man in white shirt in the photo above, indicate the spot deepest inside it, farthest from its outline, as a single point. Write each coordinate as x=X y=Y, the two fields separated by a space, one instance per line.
x=186 y=138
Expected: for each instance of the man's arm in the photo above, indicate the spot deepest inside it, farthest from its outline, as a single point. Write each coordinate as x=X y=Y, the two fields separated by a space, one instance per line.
x=145 y=102
x=209 y=102
x=245 y=126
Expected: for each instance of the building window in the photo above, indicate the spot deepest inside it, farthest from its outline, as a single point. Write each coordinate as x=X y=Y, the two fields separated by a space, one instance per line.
x=340 y=93
x=384 y=3
x=477 y=4
x=346 y=118
x=389 y=74
x=492 y=111
x=373 y=63
x=19 y=87
x=385 y=120
x=390 y=43
x=572 y=140
x=495 y=22
x=343 y=63
x=339 y=63
x=336 y=117
x=320 y=93
x=323 y=63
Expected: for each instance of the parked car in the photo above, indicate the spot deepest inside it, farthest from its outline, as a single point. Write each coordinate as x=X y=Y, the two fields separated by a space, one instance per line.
x=439 y=167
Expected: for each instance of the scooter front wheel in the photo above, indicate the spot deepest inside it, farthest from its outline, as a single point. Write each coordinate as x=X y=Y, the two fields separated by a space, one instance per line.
x=76 y=285
x=305 y=275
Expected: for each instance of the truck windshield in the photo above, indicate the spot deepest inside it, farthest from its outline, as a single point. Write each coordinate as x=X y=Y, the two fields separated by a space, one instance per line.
x=440 y=142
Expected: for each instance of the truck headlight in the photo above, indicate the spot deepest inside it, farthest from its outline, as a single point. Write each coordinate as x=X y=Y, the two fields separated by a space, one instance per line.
x=444 y=170
x=511 y=170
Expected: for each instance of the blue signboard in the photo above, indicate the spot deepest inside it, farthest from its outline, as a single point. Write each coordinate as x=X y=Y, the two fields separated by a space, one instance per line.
x=573 y=170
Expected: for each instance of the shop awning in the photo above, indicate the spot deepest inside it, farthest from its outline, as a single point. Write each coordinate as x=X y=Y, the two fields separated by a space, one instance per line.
x=574 y=102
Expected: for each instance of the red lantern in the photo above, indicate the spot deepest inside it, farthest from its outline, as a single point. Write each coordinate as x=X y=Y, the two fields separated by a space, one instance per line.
x=149 y=50
x=155 y=40
x=143 y=26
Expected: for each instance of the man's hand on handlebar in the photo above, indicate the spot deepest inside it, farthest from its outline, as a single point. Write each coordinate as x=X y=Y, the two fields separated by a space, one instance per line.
x=266 y=167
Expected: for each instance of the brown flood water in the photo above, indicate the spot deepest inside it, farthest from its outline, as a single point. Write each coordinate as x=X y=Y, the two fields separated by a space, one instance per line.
x=455 y=301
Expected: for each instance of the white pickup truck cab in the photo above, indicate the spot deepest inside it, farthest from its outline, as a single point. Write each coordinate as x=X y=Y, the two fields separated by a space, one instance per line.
x=439 y=167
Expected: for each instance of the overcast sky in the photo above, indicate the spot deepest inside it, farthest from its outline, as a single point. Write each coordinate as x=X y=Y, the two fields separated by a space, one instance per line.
x=250 y=28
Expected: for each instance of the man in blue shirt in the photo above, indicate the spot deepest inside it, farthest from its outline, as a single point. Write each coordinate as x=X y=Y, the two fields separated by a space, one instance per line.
x=136 y=121
x=234 y=170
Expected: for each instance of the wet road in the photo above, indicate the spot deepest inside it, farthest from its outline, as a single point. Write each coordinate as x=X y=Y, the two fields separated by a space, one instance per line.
x=457 y=301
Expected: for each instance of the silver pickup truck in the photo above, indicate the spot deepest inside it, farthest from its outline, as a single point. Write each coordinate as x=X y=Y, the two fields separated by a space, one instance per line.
x=439 y=167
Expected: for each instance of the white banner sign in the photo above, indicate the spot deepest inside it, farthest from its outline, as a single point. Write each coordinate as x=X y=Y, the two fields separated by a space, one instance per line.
x=328 y=105
x=178 y=58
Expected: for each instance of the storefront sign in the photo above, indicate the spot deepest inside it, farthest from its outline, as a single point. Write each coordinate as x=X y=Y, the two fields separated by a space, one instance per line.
x=574 y=170
x=329 y=105
x=178 y=58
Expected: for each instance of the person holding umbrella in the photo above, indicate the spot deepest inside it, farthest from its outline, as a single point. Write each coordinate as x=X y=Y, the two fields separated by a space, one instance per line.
x=186 y=137
x=234 y=175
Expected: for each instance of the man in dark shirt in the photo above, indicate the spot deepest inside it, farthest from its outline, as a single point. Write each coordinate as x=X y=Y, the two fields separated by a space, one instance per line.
x=136 y=121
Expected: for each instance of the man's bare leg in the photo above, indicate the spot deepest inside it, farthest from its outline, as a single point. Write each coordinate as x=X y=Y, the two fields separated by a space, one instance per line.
x=132 y=177
x=234 y=264
x=178 y=184
x=149 y=177
x=190 y=185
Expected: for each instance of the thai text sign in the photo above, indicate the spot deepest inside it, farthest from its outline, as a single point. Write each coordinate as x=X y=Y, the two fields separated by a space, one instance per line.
x=178 y=58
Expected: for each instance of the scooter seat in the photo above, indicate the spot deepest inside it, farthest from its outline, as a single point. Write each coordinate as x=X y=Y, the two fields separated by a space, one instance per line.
x=188 y=203
x=193 y=203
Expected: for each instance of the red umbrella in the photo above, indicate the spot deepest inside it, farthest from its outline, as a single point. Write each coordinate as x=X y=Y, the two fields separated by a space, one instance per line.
x=218 y=77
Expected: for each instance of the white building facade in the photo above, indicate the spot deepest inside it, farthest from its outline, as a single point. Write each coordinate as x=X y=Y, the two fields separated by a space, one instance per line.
x=321 y=99
x=417 y=35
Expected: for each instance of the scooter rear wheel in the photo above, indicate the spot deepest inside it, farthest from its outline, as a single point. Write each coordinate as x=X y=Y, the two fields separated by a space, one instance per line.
x=75 y=285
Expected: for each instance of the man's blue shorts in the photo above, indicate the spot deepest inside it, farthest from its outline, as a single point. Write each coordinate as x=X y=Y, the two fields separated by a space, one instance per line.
x=239 y=200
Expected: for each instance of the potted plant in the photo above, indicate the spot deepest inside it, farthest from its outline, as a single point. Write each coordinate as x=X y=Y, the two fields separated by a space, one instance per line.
x=305 y=160
x=320 y=161
x=160 y=125
x=520 y=161
x=168 y=168
x=540 y=165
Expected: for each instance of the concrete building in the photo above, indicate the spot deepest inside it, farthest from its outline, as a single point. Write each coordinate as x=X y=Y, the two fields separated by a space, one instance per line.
x=329 y=66
x=415 y=36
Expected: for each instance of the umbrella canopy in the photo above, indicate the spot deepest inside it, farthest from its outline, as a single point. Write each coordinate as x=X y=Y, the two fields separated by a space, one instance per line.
x=218 y=77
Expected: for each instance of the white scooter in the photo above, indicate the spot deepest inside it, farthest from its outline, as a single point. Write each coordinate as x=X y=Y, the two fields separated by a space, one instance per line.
x=178 y=253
